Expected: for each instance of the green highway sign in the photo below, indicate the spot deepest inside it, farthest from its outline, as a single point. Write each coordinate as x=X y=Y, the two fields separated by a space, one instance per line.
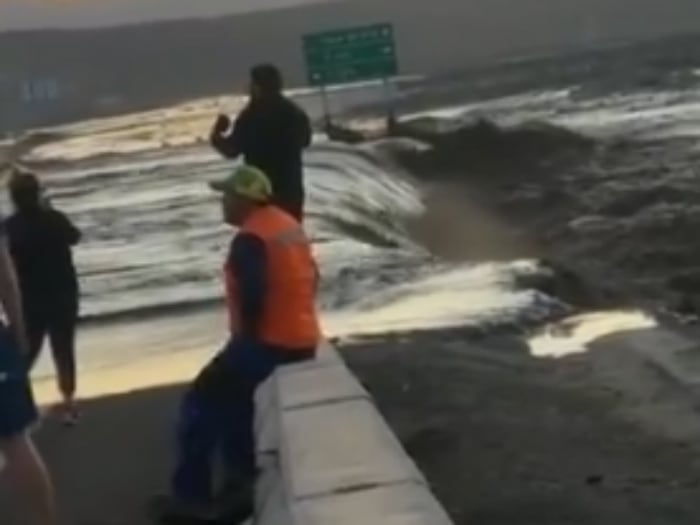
x=350 y=55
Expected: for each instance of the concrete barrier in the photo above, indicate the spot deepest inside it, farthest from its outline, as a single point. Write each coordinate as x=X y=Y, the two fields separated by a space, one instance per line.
x=327 y=456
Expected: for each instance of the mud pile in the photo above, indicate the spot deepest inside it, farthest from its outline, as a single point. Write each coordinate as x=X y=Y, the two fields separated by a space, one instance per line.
x=617 y=220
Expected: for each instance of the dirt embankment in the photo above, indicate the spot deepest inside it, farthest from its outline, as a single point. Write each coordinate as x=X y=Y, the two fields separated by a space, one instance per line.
x=506 y=438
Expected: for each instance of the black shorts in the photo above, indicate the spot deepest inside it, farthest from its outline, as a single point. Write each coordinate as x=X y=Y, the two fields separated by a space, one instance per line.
x=17 y=409
x=57 y=319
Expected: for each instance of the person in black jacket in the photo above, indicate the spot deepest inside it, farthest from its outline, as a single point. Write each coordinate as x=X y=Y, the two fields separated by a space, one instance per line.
x=271 y=133
x=41 y=239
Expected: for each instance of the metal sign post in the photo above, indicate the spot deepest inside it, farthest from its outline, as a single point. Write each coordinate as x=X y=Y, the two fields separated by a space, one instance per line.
x=389 y=100
x=327 y=119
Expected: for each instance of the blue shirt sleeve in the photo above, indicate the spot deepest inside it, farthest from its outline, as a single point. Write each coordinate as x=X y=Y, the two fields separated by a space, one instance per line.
x=248 y=262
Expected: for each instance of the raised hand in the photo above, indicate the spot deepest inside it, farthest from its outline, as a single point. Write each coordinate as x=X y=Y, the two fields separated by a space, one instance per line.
x=222 y=124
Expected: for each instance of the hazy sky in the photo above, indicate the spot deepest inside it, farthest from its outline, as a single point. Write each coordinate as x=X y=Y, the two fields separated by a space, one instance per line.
x=23 y=14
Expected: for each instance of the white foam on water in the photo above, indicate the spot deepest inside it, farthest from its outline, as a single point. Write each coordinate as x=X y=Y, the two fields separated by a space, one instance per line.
x=574 y=335
x=154 y=233
x=465 y=296
x=658 y=114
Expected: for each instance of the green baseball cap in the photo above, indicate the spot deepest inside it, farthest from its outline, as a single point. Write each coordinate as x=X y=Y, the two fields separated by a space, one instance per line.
x=245 y=181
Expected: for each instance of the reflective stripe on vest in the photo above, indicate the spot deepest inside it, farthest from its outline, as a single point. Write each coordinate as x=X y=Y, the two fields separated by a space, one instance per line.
x=289 y=317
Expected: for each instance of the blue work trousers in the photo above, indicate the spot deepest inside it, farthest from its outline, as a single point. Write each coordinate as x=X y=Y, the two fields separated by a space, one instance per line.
x=217 y=414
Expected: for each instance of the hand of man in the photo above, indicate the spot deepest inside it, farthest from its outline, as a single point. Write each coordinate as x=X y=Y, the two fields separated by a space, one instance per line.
x=222 y=124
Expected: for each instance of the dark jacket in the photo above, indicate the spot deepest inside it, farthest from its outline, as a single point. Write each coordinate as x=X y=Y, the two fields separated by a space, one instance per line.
x=271 y=134
x=40 y=242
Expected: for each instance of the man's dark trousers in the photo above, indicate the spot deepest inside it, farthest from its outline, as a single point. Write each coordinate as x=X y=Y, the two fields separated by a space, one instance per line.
x=217 y=413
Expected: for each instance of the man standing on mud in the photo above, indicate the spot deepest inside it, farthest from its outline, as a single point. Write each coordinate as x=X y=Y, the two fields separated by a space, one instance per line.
x=270 y=281
x=271 y=133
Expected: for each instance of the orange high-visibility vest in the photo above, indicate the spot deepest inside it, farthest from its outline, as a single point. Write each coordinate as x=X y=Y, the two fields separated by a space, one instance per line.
x=289 y=318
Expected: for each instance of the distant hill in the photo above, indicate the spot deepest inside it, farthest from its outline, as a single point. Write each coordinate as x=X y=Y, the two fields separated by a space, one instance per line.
x=36 y=14
x=51 y=76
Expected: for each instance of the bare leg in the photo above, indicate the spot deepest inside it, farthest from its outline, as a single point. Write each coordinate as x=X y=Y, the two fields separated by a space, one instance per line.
x=62 y=337
x=29 y=479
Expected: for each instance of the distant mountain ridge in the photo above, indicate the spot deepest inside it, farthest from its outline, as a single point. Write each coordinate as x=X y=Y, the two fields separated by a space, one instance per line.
x=35 y=14
x=57 y=75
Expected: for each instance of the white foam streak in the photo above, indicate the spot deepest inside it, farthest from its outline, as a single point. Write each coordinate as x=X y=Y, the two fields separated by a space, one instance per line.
x=575 y=335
